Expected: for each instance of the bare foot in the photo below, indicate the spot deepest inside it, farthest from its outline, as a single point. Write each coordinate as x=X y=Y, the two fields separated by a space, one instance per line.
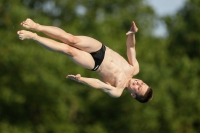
x=23 y=34
x=30 y=24
x=133 y=29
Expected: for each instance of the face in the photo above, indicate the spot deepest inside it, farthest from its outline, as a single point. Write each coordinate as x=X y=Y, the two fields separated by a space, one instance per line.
x=137 y=87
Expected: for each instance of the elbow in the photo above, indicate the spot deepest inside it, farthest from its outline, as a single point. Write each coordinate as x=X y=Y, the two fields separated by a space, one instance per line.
x=136 y=68
x=116 y=95
x=74 y=39
x=137 y=71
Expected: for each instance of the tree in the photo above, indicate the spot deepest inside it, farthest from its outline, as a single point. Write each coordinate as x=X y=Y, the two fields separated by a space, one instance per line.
x=35 y=96
x=183 y=51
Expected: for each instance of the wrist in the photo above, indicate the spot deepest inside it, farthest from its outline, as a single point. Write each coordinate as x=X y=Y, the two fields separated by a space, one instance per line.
x=130 y=32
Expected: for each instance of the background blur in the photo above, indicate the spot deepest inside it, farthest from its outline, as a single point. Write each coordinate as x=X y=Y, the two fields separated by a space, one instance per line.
x=35 y=96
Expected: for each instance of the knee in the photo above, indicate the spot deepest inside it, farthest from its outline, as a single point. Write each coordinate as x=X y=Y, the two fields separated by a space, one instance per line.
x=67 y=50
x=73 y=39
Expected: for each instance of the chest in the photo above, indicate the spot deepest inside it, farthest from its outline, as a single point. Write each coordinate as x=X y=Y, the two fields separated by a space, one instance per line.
x=115 y=70
x=116 y=76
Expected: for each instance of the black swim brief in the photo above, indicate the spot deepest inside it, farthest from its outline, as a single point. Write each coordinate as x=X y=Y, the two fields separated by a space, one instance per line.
x=98 y=57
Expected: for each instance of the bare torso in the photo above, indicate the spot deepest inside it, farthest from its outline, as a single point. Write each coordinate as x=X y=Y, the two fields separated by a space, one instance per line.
x=115 y=70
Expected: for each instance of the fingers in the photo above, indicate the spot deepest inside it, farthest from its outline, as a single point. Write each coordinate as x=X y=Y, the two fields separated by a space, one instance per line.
x=74 y=77
x=71 y=75
x=133 y=24
x=133 y=29
x=78 y=75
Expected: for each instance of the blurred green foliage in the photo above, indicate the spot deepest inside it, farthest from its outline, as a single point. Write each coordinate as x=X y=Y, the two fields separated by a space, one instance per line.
x=35 y=96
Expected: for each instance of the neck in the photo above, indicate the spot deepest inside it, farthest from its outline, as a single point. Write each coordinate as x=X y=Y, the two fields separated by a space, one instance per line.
x=128 y=88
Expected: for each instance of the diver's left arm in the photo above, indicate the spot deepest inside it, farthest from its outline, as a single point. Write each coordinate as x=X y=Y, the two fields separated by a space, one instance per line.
x=130 y=44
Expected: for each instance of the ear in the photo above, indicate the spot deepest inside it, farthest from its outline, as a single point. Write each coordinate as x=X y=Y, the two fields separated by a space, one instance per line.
x=133 y=95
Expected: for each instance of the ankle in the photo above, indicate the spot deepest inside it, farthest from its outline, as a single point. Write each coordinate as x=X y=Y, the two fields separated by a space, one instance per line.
x=38 y=27
x=34 y=36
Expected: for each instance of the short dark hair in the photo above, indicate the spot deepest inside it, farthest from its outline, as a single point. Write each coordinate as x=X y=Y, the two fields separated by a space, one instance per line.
x=146 y=97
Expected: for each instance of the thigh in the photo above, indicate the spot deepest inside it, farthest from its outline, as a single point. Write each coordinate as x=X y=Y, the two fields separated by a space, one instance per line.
x=82 y=58
x=88 y=44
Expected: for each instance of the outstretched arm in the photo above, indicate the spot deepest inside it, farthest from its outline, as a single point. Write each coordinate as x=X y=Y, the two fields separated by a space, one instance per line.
x=130 y=43
x=96 y=83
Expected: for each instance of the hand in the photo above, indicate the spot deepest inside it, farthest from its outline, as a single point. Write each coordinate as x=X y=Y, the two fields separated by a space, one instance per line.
x=133 y=29
x=74 y=77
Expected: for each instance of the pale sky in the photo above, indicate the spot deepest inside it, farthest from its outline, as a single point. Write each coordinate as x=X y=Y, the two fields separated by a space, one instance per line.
x=165 y=7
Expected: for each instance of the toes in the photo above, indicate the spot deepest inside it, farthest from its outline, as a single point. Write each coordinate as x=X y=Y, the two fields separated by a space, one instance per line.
x=28 y=20
x=23 y=24
x=28 y=23
x=19 y=32
x=21 y=38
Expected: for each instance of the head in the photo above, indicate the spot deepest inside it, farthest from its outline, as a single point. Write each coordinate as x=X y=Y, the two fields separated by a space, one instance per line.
x=139 y=90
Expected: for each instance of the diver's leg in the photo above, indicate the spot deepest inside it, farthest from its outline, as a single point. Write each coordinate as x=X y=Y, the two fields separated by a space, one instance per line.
x=80 y=57
x=84 y=43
